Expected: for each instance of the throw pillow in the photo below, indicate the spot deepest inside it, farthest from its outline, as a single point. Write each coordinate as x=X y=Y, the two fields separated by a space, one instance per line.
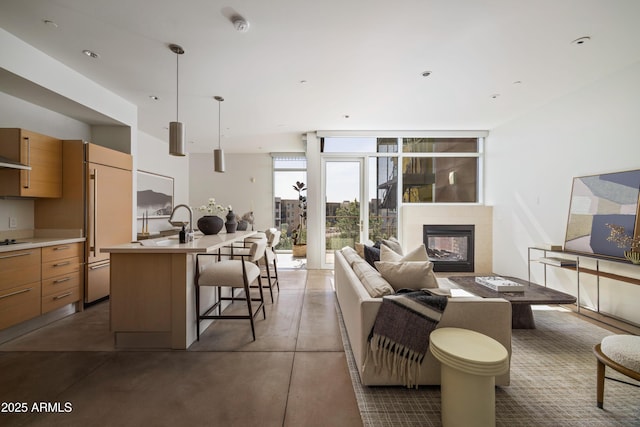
x=418 y=254
x=408 y=275
x=394 y=244
x=360 y=247
x=371 y=255
x=372 y=281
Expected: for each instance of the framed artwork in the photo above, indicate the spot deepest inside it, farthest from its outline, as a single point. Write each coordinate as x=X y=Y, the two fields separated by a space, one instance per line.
x=155 y=195
x=599 y=200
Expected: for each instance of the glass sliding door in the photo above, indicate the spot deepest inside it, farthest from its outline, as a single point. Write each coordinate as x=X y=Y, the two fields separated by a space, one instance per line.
x=343 y=190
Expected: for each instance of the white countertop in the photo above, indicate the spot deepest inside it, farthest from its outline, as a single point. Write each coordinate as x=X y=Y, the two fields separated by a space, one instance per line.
x=170 y=244
x=39 y=242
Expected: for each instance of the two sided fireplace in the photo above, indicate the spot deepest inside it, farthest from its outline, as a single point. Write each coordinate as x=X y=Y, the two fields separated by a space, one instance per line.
x=450 y=247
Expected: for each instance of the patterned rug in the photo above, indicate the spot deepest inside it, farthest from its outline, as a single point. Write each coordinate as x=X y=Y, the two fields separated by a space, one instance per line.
x=553 y=383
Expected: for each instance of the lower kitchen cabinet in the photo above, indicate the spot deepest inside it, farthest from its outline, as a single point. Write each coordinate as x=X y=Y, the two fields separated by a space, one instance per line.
x=20 y=287
x=61 y=275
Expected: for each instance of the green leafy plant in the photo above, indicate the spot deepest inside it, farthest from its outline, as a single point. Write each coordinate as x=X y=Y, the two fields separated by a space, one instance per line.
x=299 y=235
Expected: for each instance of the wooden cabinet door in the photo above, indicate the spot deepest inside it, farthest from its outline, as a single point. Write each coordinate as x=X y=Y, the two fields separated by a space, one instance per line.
x=44 y=155
x=110 y=218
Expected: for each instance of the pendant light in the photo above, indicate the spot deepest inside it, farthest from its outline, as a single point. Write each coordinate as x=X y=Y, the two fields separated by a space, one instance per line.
x=218 y=153
x=176 y=129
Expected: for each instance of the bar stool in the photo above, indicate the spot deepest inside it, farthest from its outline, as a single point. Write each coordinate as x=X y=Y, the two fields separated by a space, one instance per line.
x=470 y=361
x=239 y=272
x=271 y=259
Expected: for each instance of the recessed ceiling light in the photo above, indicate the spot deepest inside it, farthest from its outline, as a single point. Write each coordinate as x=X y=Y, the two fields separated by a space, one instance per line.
x=50 y=23
x=426 y=73
x=581 y=40
x=346 y=116
x=495 y=95
x=517 y=82
x=91 y=54
x=303 y=82
x=155 y=98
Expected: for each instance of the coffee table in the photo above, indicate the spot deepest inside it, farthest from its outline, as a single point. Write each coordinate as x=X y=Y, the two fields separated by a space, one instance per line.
x=521 y=314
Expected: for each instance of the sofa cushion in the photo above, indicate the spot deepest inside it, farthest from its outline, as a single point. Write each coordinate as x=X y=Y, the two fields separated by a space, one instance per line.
x=373 y=282
x=350 y=255
x=408 y=274
x=394 y=244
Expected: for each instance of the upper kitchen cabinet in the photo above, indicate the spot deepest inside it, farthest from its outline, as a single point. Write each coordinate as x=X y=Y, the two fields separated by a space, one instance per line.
x=42 y=153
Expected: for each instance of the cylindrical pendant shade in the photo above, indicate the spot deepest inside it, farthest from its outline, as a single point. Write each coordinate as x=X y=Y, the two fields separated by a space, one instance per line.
x=176 y=139
x=218 y=160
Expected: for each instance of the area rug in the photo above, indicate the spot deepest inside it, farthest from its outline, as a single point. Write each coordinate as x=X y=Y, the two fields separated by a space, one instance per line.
x=553 y=383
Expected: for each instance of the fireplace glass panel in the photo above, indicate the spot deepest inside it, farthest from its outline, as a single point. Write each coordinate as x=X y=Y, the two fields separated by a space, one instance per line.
x=448 y=249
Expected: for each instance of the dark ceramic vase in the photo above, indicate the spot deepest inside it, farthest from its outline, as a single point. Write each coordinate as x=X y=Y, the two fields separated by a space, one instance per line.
x=242 y=225
x=210 y=224
x=231 y=224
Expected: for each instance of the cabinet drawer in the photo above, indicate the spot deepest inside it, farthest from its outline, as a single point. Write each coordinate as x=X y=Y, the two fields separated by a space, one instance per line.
x=19 y=268
x=60 y=267
x=54 y=253
x=60 y=299
x=61 y=283
x=19 y=304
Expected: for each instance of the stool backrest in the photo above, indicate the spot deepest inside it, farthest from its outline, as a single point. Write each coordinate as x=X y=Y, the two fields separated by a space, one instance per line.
x=273 y=237
x=256 y=250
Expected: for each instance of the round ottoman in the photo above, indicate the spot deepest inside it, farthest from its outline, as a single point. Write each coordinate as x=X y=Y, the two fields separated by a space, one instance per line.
x=470 y=361
x=619 y=352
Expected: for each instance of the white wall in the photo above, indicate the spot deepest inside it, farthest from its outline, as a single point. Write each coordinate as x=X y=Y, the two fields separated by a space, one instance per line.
x=153 y=156
x=247 y=184
x=531 y=162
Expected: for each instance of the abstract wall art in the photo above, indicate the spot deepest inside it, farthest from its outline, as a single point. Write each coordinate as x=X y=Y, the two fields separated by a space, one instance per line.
x=596 y=201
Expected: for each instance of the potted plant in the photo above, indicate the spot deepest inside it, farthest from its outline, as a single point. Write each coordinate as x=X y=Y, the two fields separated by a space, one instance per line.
x=299 y=235
x=211 y=222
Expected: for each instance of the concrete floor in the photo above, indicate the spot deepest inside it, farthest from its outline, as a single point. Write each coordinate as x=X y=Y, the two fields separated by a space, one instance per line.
x=294 y=374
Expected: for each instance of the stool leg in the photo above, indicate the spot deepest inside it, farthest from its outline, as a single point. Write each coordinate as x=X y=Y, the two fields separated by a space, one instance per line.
x=266 y=263
x=600 y=384
x=197 y=312
x=275 y=268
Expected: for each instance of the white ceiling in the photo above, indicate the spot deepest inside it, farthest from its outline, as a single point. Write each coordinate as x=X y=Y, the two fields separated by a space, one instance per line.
x=359 y=58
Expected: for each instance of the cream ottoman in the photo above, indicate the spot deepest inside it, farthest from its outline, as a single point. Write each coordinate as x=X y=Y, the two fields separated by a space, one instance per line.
x=470 y=361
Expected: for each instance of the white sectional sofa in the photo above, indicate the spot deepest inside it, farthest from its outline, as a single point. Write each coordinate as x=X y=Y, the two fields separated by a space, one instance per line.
x=489 y=316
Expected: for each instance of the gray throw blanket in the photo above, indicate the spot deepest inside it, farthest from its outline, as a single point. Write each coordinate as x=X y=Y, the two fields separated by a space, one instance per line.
x=399 y=339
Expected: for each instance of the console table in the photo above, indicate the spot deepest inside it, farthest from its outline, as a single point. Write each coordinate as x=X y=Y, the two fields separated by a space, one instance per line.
x=575 y=262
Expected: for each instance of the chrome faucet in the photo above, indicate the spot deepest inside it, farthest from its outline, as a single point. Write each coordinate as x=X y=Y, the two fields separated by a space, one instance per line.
x=190 y=232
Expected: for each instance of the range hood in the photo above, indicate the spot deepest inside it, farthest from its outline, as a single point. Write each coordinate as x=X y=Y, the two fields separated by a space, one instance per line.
x=10 y=164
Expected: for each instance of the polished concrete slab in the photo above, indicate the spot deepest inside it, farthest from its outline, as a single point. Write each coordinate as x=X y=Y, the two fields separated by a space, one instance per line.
x=294 y=374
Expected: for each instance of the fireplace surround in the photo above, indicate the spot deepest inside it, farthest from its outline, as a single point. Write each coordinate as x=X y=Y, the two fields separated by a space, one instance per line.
x=450 y=247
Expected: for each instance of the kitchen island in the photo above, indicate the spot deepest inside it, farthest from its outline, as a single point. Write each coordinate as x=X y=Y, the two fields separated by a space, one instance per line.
x=152 y=290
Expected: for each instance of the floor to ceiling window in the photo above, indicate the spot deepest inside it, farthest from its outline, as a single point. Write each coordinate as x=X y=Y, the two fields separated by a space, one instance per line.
x=368 y=179
x=288 y=169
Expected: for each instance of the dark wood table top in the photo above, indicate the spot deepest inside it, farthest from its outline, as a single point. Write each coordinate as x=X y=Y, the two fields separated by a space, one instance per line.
x=533 y=294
